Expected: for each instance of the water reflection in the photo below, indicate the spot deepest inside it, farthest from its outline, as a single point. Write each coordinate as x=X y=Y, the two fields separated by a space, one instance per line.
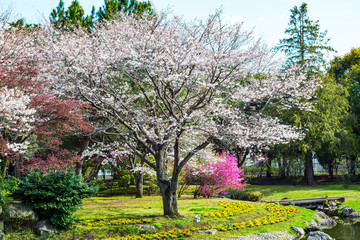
x=344 y=232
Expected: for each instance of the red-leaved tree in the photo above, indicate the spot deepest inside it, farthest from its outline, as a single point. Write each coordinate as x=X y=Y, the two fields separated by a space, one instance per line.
x=32 y=119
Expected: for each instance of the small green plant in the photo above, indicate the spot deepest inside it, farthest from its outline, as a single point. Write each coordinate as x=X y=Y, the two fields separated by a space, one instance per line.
x=55 y=196
x=132 y=230
x=147 y=231
x=179 y=224
x=158 y=226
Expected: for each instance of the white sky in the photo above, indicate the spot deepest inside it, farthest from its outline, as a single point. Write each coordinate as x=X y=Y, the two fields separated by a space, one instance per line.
x=269 y=18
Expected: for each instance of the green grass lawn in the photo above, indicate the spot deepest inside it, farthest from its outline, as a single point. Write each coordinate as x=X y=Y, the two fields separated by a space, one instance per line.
x=352 y=194
x=120 y=207
x=112 y=208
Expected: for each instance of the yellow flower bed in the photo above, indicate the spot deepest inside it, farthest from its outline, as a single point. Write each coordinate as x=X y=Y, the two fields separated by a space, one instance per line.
x=231 y=209
x=160 y=235
x=278 y=213
x=115 y=222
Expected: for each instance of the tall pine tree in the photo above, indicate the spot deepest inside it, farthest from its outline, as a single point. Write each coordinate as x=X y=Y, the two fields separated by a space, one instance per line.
x=71 y=18
x=305 y=44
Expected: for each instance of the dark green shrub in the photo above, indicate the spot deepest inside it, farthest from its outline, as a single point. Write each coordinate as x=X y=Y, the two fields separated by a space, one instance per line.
x=246 y=195
x=237 y=194
x=55 y=196
x=255 y=196
x=6 y=187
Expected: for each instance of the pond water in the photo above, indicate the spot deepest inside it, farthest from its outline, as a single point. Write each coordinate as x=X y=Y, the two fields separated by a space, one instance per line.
x=344 y=232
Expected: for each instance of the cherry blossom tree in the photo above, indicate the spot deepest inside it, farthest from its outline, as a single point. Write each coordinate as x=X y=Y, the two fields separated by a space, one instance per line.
x=172 y=87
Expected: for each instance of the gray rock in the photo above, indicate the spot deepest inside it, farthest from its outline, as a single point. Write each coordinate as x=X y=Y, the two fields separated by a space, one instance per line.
x=145 y=227
x=20 y=211
x=44 y=227
x=305 y=223
x=322 y=215
x=318 y=236
x=299 y=231
x=209 y=231
x=327 y=223
x=347 y=211
x=354 y=215
x=313 y=223
x=2 y=235
x=265 y=236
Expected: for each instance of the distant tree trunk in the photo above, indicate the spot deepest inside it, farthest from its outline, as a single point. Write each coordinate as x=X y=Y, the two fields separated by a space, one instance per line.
x=268 y=166
x=18 y=165
x=139 y=184
x=352 y=165
x=282 y=168
x=309 y=170
x=331 y=169
x=84 y=145
x=241 y=156
x=287 y=164
x=4 y=166
x=279 y=166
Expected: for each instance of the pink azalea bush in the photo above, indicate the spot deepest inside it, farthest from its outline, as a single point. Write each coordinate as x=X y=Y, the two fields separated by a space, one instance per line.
x=221 y=176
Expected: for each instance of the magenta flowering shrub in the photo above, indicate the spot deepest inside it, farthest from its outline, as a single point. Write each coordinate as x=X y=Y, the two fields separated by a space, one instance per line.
x=221 y=176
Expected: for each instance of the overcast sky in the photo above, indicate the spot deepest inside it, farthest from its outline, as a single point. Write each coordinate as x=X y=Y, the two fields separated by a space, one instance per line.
x=269 y=18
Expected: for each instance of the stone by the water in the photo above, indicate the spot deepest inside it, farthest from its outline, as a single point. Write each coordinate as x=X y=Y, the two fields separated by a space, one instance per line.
x=317 y=235
x=299 y=231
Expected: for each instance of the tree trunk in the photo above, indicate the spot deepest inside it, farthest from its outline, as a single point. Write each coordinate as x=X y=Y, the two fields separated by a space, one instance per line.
x=268 y=167
x=331 y=169
x=282 y=168
x=309 y=170
x=4 y=166
x=241 y=156
x=18 y=165
x=84 y=145
x=168 y=193
x=352 y=165
x=139 y=184
x=168 y=190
